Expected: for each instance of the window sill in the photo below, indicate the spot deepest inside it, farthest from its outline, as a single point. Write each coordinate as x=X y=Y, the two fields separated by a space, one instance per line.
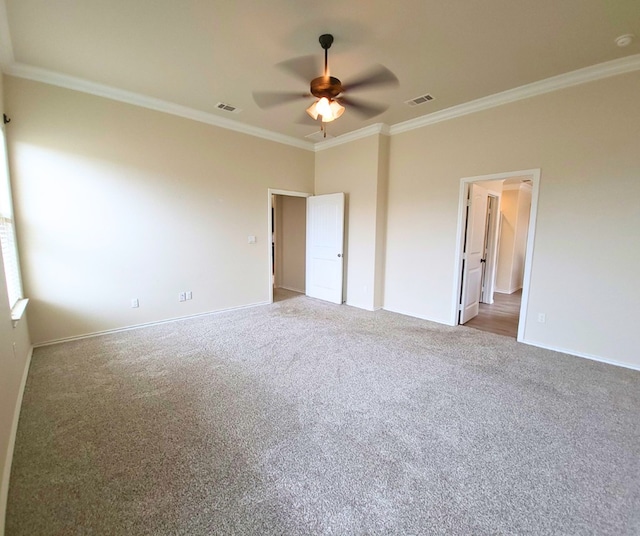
x=18 y=311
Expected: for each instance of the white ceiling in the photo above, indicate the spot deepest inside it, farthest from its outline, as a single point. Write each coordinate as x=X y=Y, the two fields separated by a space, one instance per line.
x=196 y=53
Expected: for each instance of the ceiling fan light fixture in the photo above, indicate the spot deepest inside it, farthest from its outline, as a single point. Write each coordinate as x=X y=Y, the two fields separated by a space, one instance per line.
x=323 y=107
x=327 y=109
x=313 y=110
x=336 y=108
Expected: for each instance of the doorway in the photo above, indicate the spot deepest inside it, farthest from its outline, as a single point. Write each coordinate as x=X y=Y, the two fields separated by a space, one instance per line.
x=287 y=245
x=501 y=317
x=496 y=232
x=306 y=249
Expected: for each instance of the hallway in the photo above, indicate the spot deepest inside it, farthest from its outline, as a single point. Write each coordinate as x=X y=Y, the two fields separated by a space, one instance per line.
x=501 y=317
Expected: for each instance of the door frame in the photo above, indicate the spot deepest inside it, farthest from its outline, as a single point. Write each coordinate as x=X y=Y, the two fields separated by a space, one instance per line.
x=465 y=182
x=271 y=192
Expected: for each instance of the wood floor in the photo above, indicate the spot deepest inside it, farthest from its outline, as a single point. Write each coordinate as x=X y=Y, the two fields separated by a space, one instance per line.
x=501 y=317
x=281 y=294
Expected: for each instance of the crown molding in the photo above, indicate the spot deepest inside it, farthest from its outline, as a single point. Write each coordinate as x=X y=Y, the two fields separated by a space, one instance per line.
x=377 y=128
x=37 y=74
x=573 y=78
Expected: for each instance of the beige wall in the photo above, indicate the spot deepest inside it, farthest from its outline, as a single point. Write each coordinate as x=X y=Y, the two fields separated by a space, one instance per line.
x=359 y=169
x=116 y=202
x=381 y=219
x=585 y=252
x=515 y=207
x=522 y=228
x=15 y=350
x=291 y=227
x=508 y=220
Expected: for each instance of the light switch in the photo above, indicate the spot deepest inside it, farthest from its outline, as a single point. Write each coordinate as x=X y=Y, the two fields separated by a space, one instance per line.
x=252 y=239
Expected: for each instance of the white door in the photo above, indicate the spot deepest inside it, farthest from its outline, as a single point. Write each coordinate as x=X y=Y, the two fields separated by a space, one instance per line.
x=325 y=240
x=491 y=249
x=473 y=256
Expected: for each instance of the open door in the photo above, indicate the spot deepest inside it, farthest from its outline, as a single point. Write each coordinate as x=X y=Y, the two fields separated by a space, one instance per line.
x=474 y=249
x=491 y=248
x=325 y=241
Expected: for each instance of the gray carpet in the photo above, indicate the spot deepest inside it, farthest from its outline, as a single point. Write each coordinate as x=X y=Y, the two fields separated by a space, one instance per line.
x=305 y=417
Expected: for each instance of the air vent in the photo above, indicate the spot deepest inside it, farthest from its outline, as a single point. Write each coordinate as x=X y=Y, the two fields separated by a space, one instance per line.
x=227 y=108
x=419 y=100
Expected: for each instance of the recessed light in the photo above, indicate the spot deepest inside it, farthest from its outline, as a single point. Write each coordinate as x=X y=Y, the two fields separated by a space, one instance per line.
x=624 y=40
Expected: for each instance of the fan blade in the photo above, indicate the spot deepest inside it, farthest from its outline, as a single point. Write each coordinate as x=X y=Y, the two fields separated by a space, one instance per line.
x=269 y=99
x=367 y=110
x=376 y=76
x=306 y=68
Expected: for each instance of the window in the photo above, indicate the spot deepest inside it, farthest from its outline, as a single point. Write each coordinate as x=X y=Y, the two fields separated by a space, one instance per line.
x=7 y=230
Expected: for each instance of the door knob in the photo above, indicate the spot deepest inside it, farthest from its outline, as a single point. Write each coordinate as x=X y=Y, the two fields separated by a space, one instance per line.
x=339 y=254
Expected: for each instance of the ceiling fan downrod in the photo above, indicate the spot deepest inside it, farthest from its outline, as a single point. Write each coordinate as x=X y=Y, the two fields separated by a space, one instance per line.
x=326 y=40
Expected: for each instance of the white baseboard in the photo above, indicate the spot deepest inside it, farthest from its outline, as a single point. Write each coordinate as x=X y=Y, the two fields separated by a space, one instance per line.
x=509 y=291
x=418 y=316
x=145 y=325
x=583 y=355
x=292 y=289
x=4 y=484
x=358 y=306
x=531 y=343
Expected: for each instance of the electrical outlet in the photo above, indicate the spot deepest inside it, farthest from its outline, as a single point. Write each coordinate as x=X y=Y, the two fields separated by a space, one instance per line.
x=135 y=303
x=542 y=318
x=183 y=296
x=189 y=295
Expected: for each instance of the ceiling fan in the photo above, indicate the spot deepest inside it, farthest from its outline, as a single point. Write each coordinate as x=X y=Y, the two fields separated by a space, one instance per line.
x=328 y=90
